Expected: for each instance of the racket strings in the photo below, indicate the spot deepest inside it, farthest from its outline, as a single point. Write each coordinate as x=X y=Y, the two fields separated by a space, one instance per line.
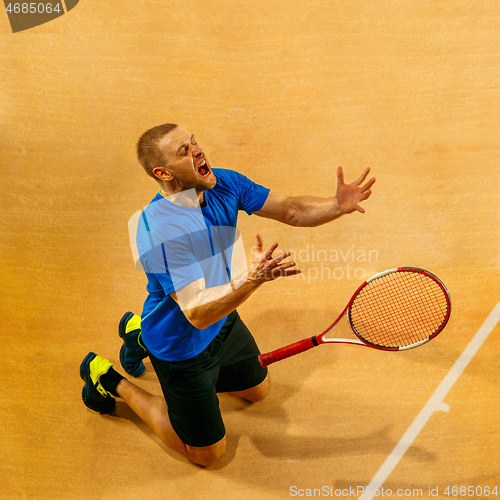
x=399 y=309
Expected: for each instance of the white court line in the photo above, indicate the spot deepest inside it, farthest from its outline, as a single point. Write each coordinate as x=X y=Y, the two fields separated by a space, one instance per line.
x=435 y=403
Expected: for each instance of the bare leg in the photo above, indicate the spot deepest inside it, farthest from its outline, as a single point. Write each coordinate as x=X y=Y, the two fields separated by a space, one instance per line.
x=153 y=411
x=254 y=394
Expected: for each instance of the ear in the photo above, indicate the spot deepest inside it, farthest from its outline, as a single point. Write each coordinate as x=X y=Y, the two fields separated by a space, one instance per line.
x=163 y=174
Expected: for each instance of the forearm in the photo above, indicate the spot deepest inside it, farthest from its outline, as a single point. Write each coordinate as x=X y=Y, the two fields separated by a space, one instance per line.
x=310 y=211
x=205 y=306
x=209 y=305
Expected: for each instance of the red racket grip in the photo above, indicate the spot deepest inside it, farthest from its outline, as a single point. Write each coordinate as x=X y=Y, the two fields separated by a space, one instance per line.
x=287 y=351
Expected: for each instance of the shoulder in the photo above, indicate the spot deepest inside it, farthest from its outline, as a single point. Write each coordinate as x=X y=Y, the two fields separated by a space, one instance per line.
x=233 y=180
x=228 y=176
x=248 y=195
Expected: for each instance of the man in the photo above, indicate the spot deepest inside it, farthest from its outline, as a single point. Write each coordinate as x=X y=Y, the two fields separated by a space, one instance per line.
x=189 y=327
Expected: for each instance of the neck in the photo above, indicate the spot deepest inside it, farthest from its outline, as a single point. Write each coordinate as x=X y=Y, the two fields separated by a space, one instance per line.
x=189 y=198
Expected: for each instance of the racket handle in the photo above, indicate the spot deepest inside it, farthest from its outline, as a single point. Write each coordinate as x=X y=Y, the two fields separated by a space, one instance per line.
x=287 y=351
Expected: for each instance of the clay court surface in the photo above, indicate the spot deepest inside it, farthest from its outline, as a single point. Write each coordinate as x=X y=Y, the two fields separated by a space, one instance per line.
x=282 y=92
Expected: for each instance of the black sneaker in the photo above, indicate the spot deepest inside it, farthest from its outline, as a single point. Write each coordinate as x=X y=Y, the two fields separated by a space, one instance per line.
x=132 y=351
x=94 y=395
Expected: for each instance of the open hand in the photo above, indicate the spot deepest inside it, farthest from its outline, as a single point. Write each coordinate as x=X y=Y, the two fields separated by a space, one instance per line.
x=266 y=268
x=349 y=196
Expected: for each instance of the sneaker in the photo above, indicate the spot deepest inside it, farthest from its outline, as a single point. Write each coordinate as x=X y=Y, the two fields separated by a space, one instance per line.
x=132 y=351
x=94 y=395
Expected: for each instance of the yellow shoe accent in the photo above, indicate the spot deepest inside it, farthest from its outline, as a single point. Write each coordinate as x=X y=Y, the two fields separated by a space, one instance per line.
x=134 y=323
x=139 y=341
x=98 y=367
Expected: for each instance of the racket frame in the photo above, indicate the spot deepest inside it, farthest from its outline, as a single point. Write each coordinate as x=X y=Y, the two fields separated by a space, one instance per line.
x=321 y=338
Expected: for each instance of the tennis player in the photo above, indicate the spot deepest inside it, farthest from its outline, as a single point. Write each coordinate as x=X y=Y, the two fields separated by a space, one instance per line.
x=189 y=327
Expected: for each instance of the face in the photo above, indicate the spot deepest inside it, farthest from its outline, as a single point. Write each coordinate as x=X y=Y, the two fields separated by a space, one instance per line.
x=188 y=168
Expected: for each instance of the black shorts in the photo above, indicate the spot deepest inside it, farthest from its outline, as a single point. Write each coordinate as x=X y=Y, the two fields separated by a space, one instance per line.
x=230 y=363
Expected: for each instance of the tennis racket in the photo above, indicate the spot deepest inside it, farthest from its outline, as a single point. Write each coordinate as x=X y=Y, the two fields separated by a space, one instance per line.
x=394 y=310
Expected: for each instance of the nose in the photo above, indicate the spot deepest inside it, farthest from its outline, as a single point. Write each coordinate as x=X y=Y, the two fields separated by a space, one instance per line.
x=197 y=151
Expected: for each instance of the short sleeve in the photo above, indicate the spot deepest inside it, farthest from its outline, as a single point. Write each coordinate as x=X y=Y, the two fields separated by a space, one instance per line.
x=251 y=196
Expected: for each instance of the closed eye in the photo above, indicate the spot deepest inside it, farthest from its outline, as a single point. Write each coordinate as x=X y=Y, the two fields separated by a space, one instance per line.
x=184 y=149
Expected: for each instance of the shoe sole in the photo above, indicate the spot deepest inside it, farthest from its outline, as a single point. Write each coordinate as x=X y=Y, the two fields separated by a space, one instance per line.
x=137 y=372
x=88 y=358
x=107 y=405
x=123 y=324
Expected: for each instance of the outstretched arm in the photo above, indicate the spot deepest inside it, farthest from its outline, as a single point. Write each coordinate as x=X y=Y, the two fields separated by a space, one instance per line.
x=312 y=211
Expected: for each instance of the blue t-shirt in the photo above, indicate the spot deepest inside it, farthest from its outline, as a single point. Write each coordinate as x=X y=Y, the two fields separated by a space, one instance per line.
x=178 y=245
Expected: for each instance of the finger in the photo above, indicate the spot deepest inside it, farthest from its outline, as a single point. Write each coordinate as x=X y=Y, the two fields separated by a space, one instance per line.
x=278 y=271
x=359 y=208
x=368 y=185
x=292 y=272
x=269 y=252
x=259 y=243
x=285 y=265
x=280 y=257
x=366 y=195
x=282 y=269
x=362 y=177
x=340 y=175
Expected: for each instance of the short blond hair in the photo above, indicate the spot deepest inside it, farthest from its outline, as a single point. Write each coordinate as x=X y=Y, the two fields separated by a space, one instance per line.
x=148 y=152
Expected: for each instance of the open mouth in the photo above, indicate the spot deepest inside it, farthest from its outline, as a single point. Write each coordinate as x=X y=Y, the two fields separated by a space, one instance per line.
x=204 y=169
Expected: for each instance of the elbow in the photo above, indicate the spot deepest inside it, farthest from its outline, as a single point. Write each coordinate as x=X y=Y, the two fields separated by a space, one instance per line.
x=292 y=217
x=201 y=325
x=197 y=320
